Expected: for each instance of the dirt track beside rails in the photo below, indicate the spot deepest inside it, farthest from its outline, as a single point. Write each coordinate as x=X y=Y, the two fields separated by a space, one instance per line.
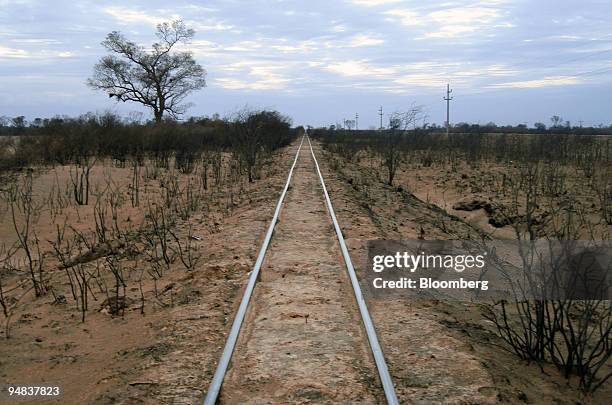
x=302 y=340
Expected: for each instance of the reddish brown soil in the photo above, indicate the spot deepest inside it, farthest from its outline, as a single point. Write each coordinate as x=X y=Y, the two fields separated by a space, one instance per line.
x=168 y=354
x=437 y=352
x=302 y=341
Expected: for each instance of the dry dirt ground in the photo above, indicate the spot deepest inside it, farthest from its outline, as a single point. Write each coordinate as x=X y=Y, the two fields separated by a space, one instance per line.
x=437 y=352
x=302 y=340
x=167 y=355
x=453 y=187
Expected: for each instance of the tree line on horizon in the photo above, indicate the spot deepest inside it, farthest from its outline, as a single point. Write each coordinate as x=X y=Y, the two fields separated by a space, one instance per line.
x=557 y=126
x=65 y=140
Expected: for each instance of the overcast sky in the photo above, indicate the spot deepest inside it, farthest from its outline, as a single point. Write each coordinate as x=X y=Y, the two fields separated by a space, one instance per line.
x=508 y=61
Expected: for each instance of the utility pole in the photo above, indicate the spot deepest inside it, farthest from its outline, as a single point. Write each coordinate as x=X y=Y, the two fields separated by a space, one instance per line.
x=580 y=123
x=448 y=99
x=380 y=112
x=356 y=121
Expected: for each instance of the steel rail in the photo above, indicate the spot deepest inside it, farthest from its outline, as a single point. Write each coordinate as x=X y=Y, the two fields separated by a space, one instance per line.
x=379 y=357
x=217 y=381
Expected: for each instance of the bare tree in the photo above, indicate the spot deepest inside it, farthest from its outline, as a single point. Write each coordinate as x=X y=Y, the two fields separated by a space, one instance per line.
x=159 y=78
x=557 y=122
x=399 y=122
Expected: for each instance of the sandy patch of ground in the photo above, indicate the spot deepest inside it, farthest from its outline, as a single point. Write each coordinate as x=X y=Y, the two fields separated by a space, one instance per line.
x=168 y=354
x=437 y=352
x=487 y=182
x=302 y=340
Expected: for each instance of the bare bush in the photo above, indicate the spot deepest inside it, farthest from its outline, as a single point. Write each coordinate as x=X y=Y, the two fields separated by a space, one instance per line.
x=79 y=177
x=554 y=318
x=186 y=250
x=390 y=150
x=560 y=313
x=6 y=255
x=24 y=215
x=157 y=237
x=603 y=189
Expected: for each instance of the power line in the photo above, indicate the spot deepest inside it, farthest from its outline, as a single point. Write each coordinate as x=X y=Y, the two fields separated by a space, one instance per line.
x=556 y=64
x=575 y=59
x=522 y=64
x=594 y=72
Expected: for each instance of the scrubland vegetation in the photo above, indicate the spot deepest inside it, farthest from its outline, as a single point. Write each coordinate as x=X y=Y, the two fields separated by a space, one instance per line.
x=529 y=187
x=560 y=172
x=97 y=209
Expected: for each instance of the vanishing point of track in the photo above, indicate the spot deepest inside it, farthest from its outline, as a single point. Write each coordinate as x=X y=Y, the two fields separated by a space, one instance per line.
x=232 y=338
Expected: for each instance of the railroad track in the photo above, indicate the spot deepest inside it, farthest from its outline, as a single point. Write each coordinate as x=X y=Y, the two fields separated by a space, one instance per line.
x=325 y=339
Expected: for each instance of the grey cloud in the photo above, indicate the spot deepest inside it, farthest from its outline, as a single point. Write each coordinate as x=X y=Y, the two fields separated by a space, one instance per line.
x=280 y=52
